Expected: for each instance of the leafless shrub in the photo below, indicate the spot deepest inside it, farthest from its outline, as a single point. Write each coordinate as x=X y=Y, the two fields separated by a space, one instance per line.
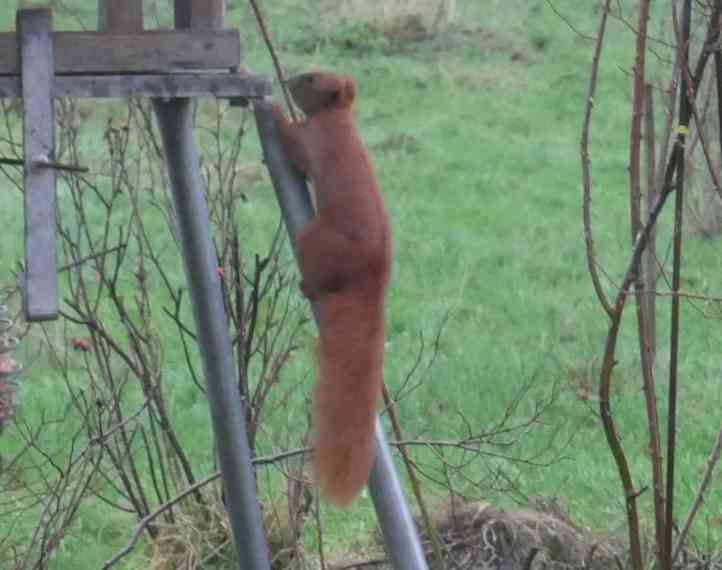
x=124 y=305
x=695 y=32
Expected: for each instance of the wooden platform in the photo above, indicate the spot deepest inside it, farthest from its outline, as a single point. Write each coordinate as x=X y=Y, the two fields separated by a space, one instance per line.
x=205 y=84
x=165 y=51
x=123 y=60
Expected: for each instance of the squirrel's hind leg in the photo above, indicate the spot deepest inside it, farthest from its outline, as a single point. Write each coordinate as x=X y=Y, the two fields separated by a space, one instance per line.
x=327 y=258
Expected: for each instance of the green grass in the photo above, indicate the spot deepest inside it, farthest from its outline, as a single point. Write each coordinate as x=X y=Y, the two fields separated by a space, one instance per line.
x=475 y=141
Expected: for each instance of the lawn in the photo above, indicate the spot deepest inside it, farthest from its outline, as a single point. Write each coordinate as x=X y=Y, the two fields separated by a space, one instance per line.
x=474 y=133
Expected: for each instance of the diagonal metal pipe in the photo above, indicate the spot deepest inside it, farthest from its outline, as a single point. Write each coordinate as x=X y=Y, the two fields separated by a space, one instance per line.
x=397 y=525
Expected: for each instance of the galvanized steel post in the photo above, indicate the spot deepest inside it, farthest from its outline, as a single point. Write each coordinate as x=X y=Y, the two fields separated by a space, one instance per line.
x=191 y=214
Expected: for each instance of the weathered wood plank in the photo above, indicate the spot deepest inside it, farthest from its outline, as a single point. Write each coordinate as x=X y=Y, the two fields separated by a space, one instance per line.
x=224 y=85
x=120 y=15
x=199 y=14
x=152 y=51
x=36 y=57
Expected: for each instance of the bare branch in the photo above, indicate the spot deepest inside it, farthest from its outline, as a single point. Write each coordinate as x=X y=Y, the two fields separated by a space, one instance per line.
x=586 y=165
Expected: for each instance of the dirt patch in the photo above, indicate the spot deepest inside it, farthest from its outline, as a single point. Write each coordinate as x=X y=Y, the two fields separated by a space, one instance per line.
x=430 y=15
x=399 y=142
x=391 y=28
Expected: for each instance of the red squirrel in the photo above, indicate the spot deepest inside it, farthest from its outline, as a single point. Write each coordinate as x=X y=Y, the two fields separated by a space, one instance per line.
x=345 y=260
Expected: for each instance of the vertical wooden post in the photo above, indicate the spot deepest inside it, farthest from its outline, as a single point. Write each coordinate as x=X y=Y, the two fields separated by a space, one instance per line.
x=37 y=70
x=120 y=15
x=203 y=14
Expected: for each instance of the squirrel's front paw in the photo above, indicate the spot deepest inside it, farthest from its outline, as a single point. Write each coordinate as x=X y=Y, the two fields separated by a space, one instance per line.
x=307 y=291
x=278 y=113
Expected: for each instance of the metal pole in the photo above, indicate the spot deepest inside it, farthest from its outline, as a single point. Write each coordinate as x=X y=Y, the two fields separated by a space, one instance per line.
x=175 y=123
x=402 y=541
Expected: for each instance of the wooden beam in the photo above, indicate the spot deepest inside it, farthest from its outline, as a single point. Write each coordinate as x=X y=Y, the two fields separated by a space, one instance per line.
x=40 y=294
x=224 y=85
x=120 y=15
x=154 y=51
x=199 y=14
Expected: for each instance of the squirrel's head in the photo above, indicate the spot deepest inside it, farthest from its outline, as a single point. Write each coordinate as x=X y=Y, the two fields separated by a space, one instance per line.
x=316 y=91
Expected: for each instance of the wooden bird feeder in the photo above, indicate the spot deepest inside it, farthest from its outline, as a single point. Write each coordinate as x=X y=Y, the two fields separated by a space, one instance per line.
x=121 y=59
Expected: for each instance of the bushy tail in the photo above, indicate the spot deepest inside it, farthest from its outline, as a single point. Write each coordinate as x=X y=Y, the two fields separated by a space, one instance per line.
x=351 y=353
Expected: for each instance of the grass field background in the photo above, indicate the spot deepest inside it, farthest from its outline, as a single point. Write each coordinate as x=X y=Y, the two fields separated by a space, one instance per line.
x=474 y=133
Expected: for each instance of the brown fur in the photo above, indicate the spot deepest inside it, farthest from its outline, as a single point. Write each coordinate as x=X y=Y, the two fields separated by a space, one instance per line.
x=345 y=261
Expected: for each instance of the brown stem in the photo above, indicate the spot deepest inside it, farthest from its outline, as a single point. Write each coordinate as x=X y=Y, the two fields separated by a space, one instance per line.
x=642 y=299
x=586 y=170
x=609 y=361
x=718 y=78
x=650 y=261
x=635 y=147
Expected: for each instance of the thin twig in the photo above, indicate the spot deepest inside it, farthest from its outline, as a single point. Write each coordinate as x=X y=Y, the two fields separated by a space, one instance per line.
x=711 y=463
x=693 y=296
x=586 y=169
x=718 y=79
x=364 y=564
x=12 y=161
x=650 y=261
x=45 y=163
x=414 y=480
x=568 y=22
x=274 y=57
x=82 y=260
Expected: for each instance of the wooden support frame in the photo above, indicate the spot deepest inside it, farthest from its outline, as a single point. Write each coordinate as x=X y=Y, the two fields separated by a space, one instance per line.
x=221 y=85
x=122 y=60
x=40 y=296
x=155 y=51
x=121 y=46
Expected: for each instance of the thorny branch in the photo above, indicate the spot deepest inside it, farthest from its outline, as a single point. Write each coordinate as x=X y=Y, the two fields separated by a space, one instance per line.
x=586 y=165
x=671 y=181
x=643 y=315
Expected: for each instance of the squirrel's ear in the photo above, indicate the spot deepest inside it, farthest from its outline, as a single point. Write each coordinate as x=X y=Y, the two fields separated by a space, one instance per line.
x=347 y=91
x=342 y=87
